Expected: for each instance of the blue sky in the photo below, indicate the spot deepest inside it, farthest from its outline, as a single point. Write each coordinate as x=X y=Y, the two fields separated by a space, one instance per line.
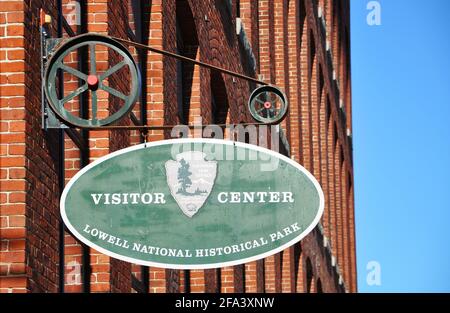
x=401 y=120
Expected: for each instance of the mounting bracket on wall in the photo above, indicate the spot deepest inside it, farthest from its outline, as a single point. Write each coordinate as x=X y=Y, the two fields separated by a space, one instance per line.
x=48 y=44
x=267 y=104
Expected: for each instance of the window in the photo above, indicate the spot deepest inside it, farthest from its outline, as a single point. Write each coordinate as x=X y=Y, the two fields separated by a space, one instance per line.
x=219 y=99
x=187 y=45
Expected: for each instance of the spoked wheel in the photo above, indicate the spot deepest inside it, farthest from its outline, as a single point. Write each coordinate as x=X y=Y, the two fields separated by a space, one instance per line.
x=93 y=81
x=268 y=105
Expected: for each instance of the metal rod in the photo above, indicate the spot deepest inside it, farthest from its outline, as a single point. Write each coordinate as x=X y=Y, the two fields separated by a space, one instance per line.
x=66 y=26
x=165 y=127
x=183 y=58
x=135 y=120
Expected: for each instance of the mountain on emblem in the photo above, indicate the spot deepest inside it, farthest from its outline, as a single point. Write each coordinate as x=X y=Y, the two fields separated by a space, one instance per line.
x=191 y=179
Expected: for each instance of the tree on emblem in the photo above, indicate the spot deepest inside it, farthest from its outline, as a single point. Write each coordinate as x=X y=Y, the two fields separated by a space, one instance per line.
x=184 y=176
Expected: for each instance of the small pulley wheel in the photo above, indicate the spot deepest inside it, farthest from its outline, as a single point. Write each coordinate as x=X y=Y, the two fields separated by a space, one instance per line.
x=93 y=81
x=268 y=104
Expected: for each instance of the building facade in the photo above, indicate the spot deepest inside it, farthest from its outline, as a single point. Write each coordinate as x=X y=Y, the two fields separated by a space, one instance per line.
x=301 y=46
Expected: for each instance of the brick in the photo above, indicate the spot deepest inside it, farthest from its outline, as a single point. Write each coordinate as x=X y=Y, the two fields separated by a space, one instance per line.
x=16 y=114
x=15 y=161
x=17 y=268
x=7 y=209
x=103 y=287
x=73 y=250
x=13 y=282
x=16 y=244
x=17 y=221
x=13 y=233
x=15 y=17
x=12 y=6
x=18 y=78
x=4 y=221
x=13 y=185
x=14 y=90
x=13 y=256
x=16 y=149
x=11 y=42
x=15 y=30
x=11 y=103
x=16 y=173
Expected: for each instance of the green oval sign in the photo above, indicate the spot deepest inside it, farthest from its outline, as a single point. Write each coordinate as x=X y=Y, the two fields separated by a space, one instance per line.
x=192 y=203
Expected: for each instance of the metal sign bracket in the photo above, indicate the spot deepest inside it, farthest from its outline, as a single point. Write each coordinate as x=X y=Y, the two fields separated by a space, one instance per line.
x=48 y=44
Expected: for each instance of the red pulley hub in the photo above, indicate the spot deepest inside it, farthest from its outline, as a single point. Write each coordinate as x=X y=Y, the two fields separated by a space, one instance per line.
x=92 y=81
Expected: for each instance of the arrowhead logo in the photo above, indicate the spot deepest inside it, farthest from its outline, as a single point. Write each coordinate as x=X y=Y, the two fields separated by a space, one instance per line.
x=190 y=179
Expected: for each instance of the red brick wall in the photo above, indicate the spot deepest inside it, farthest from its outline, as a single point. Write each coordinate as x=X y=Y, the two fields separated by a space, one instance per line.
x=12 y=140
x=290 y=51
x=30 y=239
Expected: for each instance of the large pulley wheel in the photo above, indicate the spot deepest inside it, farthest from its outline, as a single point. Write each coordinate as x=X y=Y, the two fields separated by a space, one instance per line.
x=268 y=104
x=93 y=81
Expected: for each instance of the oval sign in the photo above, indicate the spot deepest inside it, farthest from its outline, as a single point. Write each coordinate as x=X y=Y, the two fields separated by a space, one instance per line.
x=192 y=203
